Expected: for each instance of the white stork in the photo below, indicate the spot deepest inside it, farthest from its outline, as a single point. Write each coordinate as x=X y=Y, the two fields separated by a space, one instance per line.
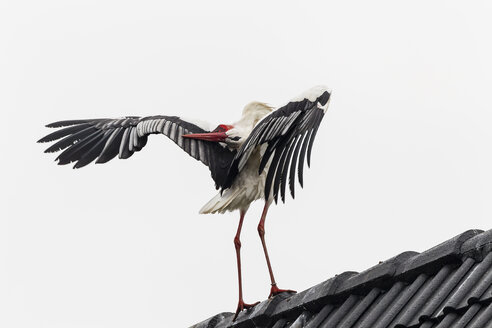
x=250 y=159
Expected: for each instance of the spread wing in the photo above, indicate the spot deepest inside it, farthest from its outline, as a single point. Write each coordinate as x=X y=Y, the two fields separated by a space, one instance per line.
x=82 y=141
x=286 y=135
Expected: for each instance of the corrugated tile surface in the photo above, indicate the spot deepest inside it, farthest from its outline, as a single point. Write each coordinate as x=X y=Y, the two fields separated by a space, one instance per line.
x=448 y=286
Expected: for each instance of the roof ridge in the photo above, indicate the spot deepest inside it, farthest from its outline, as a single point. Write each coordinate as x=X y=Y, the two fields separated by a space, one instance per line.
x=433 y=258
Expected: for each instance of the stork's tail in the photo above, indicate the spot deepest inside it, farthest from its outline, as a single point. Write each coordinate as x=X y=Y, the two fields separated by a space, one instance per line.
x=221 y=203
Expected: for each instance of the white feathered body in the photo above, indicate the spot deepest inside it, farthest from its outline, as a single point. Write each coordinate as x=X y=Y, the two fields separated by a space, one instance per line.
x=248 y=185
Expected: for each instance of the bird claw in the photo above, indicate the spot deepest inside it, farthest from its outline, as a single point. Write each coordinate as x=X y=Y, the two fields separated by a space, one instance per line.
x=275 y=291
x=243 y=306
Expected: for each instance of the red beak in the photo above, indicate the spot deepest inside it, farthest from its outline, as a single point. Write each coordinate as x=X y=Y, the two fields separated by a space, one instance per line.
x=211 y=136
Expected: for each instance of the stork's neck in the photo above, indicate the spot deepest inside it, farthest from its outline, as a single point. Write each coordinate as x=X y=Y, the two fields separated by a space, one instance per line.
x=252 y=114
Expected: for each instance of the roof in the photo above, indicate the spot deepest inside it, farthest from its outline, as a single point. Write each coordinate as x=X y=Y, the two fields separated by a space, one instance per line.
x=447 y=286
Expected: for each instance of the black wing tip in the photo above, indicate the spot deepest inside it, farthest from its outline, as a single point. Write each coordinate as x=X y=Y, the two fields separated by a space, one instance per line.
x=324 y=97
x=52 y=149
x=57 y=124
x=78 y=166
x=104 y=159
x=82 y=163
x=282 y=197
x=46 y=138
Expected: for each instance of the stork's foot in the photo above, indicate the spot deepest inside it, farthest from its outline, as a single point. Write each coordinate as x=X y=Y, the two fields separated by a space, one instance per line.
x=243 y=306
x=275 y=291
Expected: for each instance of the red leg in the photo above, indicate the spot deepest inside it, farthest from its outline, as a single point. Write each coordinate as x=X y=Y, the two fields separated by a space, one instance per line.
x=261 y=231
x=237 y=243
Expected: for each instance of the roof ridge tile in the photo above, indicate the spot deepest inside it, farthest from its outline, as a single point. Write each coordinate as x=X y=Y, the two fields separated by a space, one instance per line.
x=478 y=246
x=313 y=297
x=381 y=274
x=260 y=315
x=431 y=260
x=212 y=321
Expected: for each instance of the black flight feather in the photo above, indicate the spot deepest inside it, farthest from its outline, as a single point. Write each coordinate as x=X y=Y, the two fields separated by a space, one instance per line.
x=301 y=158
x=286 y=167
x=71 y=139
x=64 y=132
x=76 y=151
x=278 y=171
x=271 y=171
x=70 y=122
x=112 y=149
x=93 y=152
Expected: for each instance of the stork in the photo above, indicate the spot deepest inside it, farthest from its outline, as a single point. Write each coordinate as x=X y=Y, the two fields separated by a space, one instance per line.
x=253 y=158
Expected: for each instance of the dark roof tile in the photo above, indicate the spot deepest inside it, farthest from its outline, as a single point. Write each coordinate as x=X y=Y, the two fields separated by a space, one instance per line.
x=483 y=318
x=301 y=320
x=463 y=321
x=427 y=324
x=405 y=295
x=318 y=318
x=481 y=286
x=336 y=316
x=379 y=308
x=432 y=308
x=280 y=323
x=424 y=298
x=458 y=299
x=487 y=295
x=448 y=320
x=357 y=311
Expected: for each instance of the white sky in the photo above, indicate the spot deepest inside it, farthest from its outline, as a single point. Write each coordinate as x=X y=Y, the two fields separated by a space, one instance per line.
x=402 y=160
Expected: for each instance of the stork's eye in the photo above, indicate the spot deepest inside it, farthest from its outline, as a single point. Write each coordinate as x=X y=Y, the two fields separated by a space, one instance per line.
x=223 y=128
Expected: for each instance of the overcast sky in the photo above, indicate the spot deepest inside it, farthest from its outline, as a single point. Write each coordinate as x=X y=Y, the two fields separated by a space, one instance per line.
x=402 y=160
